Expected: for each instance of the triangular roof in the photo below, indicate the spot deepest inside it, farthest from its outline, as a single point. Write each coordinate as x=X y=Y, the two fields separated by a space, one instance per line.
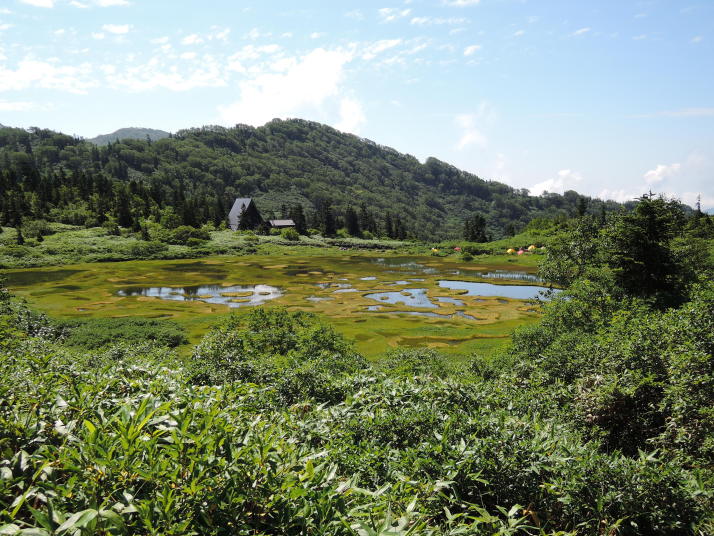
x=238 y=205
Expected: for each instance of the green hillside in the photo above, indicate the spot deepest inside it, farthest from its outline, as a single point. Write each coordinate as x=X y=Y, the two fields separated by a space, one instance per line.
x=198 y=173
x=131 y=133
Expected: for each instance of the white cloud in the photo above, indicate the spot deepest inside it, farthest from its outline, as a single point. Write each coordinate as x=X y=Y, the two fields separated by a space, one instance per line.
x=581 y=31
x=471 y=50
x=79 y=5
x=46 y=75
x=351 y=116
x=696 y=39
x=661 y=172
x=255 y=33
x=98 y=35
x=4 y=27
x=117 y=29
x=39 y=3
x=304 y=87
x=639 y=37
x=621 y=196
x=391 y=14
x=220 y=34
x=372 y=50
x=316 y=35
x=428 y=21
x=193 y=39
x=565 y=180
x=519 y=33
x=17 y=106
x=158 y=74
x=460 y=3
x=188 y=55
x=160 y=40
x=470 y=135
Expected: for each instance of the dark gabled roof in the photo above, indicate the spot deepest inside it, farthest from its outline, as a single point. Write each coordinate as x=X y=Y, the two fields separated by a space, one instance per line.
x=282 y=223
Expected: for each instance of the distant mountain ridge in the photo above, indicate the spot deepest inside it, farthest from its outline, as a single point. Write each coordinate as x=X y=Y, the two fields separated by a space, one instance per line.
x=131 y=133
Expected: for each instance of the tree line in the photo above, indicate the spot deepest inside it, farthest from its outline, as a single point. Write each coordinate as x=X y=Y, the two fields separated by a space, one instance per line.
x=198 y=173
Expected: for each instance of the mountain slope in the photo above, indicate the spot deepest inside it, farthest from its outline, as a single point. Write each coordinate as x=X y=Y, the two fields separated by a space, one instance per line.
x=199 y=172
x=131 y=133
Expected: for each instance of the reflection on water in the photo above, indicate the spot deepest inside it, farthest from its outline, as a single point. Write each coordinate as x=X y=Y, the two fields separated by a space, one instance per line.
x=235 y=296
x=408 y=266
x=511 y=275
x=414 y=297
x=518 y=292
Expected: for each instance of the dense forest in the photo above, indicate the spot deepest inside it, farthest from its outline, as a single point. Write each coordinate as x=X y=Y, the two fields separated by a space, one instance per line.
x=192 y=178
x=597 y=420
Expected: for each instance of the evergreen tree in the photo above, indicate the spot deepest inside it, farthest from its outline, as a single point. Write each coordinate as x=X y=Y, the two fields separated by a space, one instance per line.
x=352 y=222
x=298 y=216
x=640 y=251
x=475 y=228
x=388 y=225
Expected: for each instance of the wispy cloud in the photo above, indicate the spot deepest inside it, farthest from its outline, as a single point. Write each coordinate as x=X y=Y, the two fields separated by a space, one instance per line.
x=471 y=50
x=16 y=106
x=375 y=48
x=581 y=31
x=39 y=3
x=390 y=14
x=696 y=39
x=116 y=29
x=192 y=39
x=355 y=14
x=470 y=135
x=428 y=21
x=460 y=3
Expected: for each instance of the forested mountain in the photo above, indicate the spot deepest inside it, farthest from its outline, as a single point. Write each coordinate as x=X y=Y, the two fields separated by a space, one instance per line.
x=131 y=133
x=197 y=173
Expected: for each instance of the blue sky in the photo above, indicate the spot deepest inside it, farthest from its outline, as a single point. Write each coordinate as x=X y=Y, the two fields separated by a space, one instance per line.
x=609 y=98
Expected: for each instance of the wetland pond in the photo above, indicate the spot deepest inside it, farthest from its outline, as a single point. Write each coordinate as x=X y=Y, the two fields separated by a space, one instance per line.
x=380 y=302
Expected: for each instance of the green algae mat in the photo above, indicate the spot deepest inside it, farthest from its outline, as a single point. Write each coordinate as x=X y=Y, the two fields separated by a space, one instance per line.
x=379 y=301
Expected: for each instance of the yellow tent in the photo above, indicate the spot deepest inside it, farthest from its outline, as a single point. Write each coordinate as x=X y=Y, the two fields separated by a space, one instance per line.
x=532 y=247
x=510 y=251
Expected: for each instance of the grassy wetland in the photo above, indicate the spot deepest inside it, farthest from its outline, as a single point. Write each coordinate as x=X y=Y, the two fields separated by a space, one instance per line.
x=381 y=300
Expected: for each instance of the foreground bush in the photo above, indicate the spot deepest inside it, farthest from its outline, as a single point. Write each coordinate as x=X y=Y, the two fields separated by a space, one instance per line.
x=98 y=332
x=126 y=440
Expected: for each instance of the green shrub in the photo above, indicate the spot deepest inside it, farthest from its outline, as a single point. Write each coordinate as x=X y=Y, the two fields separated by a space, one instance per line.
x=99 y=332
x=290 y=234
x=36 y=228
x=415 y=362
x=268 y=343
